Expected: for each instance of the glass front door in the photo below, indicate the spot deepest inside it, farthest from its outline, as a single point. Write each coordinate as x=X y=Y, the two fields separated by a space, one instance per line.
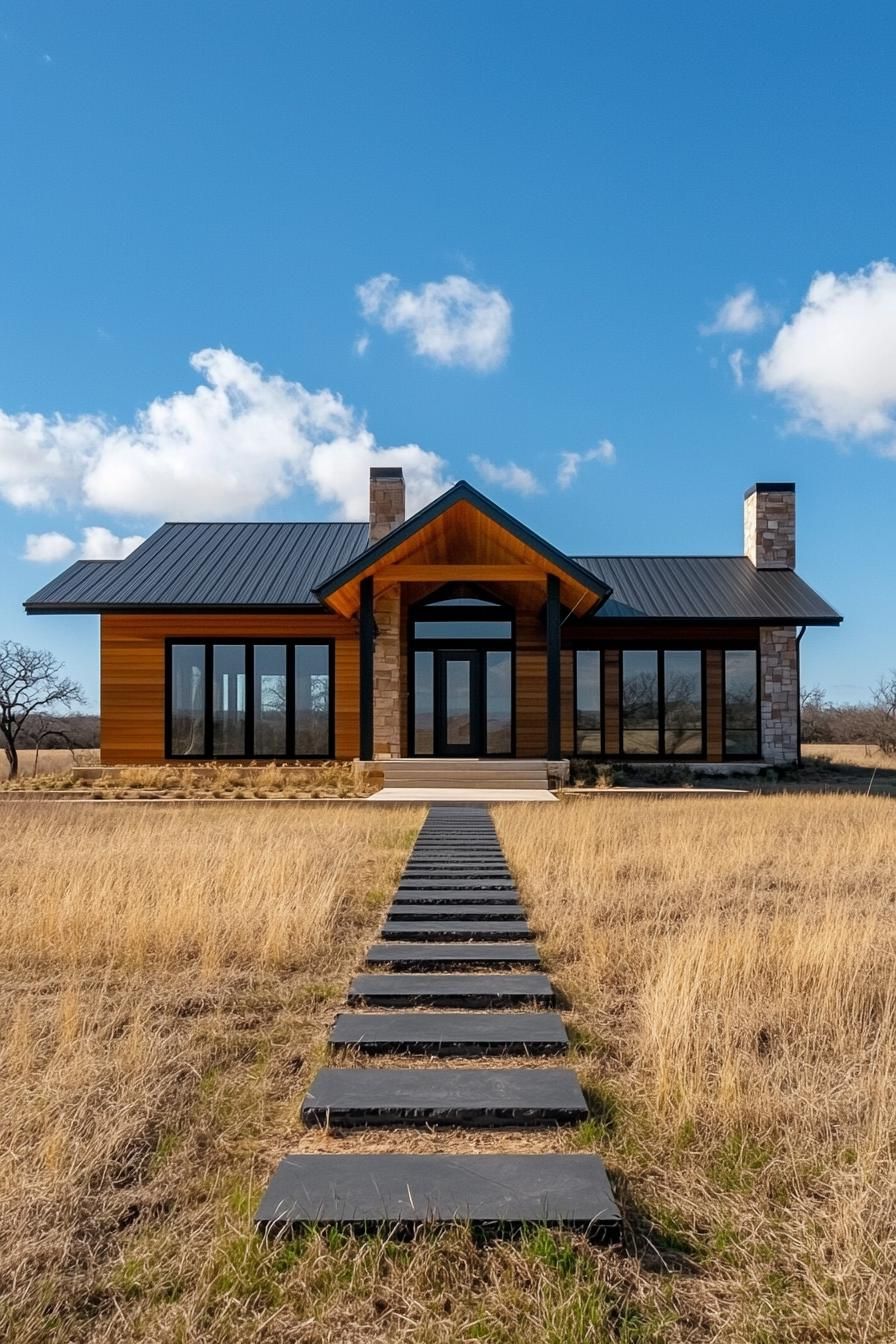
x=458 y=703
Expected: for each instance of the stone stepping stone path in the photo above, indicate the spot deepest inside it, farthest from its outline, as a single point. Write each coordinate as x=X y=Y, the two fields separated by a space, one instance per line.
x=454 y=933
x=451 y=1033
x=451 y=991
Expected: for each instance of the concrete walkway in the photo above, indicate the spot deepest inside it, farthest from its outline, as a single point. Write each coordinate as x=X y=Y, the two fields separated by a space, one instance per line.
x=462 y=796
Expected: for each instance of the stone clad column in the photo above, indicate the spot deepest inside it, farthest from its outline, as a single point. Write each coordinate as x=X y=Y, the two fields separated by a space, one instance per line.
x=770 y=542
x=387 y=509
x=779 y=693
x=387 y=699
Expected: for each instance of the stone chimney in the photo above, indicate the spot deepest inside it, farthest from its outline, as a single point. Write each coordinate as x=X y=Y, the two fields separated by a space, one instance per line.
x=770 y=524
x=386 y=501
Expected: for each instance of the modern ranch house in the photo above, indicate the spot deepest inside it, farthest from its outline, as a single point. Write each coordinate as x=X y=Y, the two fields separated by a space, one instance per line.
x=454 y=633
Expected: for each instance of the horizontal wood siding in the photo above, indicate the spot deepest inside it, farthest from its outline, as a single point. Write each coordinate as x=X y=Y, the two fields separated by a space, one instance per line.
x=715 y=746
x=132 y=674
x=567 y=706
x=612 y=729
x=531 y=688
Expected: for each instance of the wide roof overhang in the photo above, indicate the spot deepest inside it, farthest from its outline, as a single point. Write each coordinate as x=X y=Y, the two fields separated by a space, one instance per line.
x=464 y=537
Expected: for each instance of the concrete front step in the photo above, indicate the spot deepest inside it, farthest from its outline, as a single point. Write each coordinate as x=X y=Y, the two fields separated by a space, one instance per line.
x=452 y=991
x=477 y=1098
x=452 y=954
x=455 y=931
x=451 y=1034
x=400 y=1190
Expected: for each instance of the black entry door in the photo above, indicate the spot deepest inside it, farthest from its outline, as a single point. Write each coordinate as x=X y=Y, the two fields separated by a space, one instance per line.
x=458 y=703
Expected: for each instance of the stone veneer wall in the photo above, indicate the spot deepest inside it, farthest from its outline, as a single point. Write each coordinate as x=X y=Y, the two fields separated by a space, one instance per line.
x=770 y=528
x=387 y=674
x=779 y=694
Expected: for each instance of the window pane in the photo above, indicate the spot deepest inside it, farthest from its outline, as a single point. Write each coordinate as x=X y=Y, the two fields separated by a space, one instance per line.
x=423 y=739
x=457 y=702
x=587 y=700
x=498 y=702
x=741 y=733
x=640 y=702
x=187 y=692
x=270 y=700
x=463 y=602
x=683 y=723
x=229 y=700
x=462 y=629
x=312 y=700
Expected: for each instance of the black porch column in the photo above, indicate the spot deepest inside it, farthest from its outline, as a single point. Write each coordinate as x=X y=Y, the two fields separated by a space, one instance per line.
x=552 y=622
x=366 y=669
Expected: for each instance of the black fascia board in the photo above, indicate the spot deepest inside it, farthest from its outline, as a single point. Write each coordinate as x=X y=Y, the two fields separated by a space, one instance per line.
x=463 y=492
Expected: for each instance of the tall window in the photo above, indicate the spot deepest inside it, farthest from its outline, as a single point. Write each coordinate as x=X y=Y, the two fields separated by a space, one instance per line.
x=741 y=703
x=587 y=683
x=683 y=702
x=312 y=700
x=229 y=700
x=498 y=701
x=269 y=729
x=662 y=702
x=424 y=704
x=187 y=700
x=245 y=700
x=640 y=702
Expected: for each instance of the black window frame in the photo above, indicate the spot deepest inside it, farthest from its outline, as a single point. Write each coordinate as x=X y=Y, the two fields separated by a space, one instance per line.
x=661 y=649
x=497 y=610
x=741 y=755
x=588 y=648
x=248 y=644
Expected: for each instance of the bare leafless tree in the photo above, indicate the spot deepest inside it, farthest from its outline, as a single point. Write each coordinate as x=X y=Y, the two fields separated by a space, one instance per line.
x=32 y=683
x=884 y=697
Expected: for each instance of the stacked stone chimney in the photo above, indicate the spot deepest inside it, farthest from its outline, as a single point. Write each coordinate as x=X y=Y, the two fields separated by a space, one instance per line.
x=770 y=525
x=386 y=501
x=770 y=542
x=386 y=513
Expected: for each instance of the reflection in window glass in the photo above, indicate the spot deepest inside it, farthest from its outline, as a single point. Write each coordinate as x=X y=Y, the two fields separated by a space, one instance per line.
x=683 y=693
x=458 y=702
x=423 y=703
x=187 y=700
x=462 y=629
x=640 y=703
x=270 y=700
x=741 y=730
x=229 y=700
x=498 y=702
x=312 y=700
x=588 y=701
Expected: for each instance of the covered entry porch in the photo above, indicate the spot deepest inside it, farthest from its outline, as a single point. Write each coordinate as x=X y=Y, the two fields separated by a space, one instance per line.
x=459 y=613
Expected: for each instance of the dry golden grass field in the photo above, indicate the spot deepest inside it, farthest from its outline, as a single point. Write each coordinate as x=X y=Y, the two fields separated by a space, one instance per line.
x=168 y=976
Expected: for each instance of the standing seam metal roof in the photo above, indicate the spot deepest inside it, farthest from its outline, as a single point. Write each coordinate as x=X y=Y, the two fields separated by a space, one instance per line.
x=246 y=565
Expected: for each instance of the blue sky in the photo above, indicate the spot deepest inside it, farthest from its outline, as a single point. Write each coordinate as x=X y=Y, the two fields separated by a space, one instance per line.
x=634 y=202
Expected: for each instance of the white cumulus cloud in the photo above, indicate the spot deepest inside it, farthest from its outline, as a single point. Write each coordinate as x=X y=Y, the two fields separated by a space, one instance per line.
x=506 y=474
x=46 y=548
x=450 y=321
x=739 y=314
x=97 y=543
x=568 y=469
x=834 y=362
x=238 y=441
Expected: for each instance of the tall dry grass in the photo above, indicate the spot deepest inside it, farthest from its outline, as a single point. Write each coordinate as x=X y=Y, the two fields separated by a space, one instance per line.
x=162 y=972
x=732 y=969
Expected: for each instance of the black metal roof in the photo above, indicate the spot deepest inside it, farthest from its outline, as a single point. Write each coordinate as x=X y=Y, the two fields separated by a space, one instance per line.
x=281 y=565
x=705 y=588
x=210 y=565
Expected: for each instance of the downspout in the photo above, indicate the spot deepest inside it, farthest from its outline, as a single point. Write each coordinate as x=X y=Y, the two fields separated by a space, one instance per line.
x=799 y=700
